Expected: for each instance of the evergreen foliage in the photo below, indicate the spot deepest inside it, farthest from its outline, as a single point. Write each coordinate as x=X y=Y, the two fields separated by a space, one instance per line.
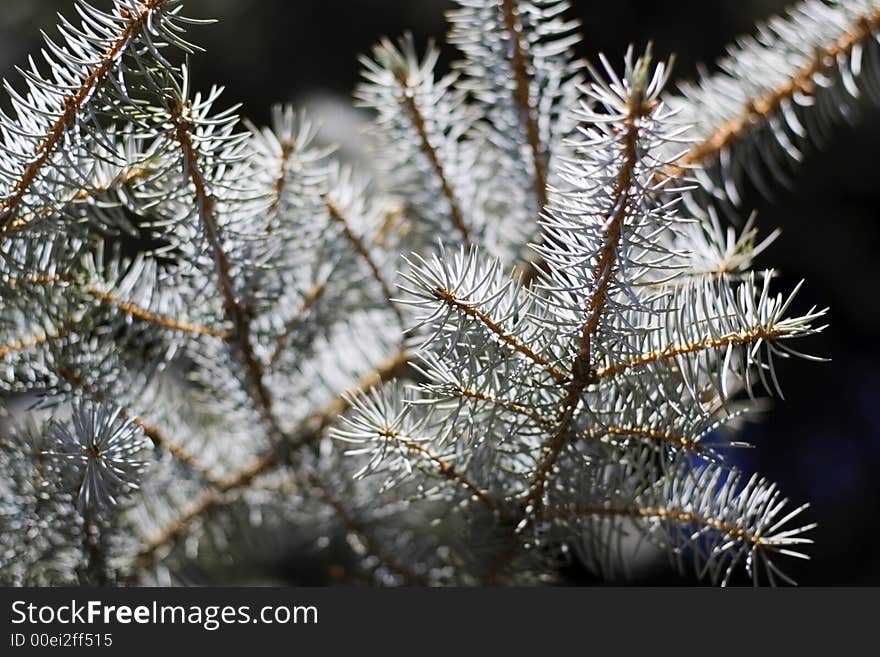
x=527 y=336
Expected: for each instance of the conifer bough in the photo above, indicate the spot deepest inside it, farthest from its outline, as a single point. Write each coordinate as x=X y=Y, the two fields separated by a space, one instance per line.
x=526 y=336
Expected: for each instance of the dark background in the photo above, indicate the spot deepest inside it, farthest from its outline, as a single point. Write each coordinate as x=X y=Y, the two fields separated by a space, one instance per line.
x=822 y=444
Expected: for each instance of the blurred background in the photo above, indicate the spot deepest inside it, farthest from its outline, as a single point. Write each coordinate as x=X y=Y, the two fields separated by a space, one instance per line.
x=822 y=443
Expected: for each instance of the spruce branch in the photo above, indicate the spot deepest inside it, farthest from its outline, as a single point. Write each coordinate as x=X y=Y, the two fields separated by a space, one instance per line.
x=546 y=395
x=144 y=315
x=129 y=25
x=638 y=106
x=313 y=428
x=402 y=89
x=114 y=301
x=478 y=395
x=218 y=495
x=235 y=313
x=31 y=343
x=449 y=299
x=651 y=435
x=288 y=148
x=775 y=94
x=520 y=70
x=158 y=437
x=620 y=199
x=119 y=181
x=395 y=433
x=723 y=521
x=101 y=456
x=72 y=104
x=497 y=415
x=674 y=351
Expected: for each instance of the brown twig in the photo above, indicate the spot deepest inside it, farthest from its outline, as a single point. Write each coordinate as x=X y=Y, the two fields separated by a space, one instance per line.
x=409 y=103
x=652 y=435
x=122 y=305
x=519 y=409
x=124 y=178
x=161 y=441
x=444 y=468
x=678 y=515
x=582 y=371
x=208 y=501
x=235 y=312
x=674 y=351
x=154 y=318
x=447 y=297
x=287 y=149
x=522 y=96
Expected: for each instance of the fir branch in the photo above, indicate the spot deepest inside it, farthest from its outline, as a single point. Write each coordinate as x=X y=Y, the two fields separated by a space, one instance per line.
x=800 y=83
x=122 y=305
x=423 y=121
x=706 y=511
x=563 y=413
x=73 y=104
